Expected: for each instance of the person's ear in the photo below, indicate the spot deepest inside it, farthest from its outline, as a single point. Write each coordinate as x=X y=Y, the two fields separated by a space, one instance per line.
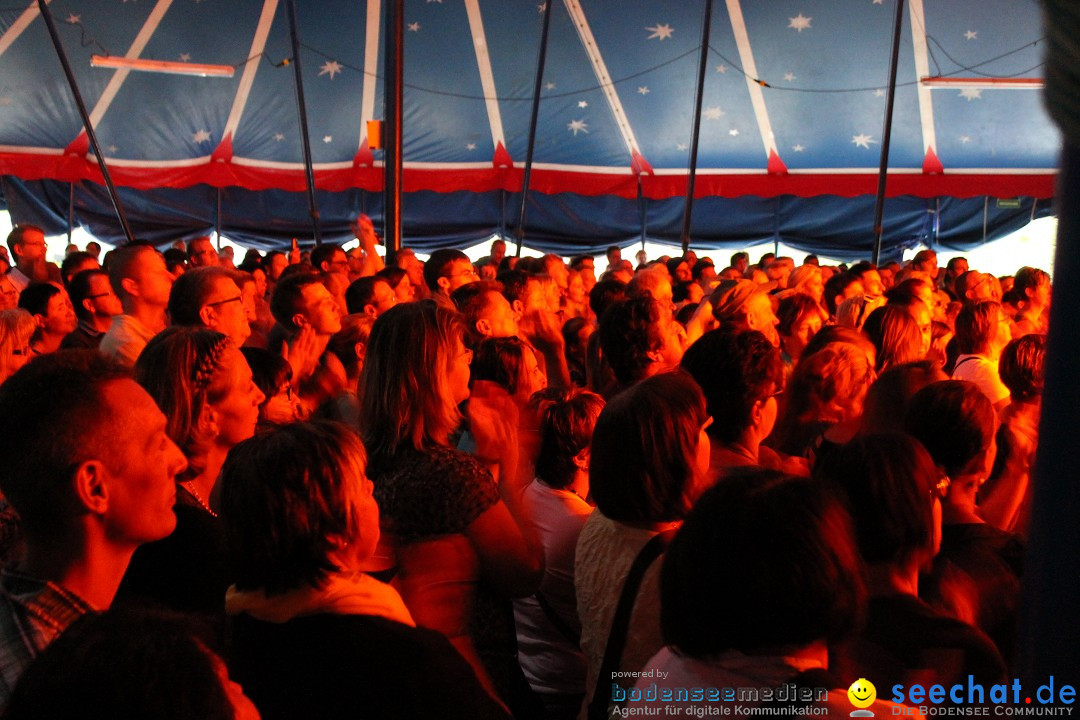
x=39 y=321
x=208 y=421
x=208 y=317
x=444 y=284
x=483 y=326
x=300 y=321
x=581 y=460
x=90 y=486
x=360 y=349
x=130 y=286
x=89 y=306
x=370 y=311
x=757 y=412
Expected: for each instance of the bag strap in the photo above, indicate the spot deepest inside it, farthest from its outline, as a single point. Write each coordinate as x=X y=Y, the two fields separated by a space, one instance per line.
x=620 y=625
x=574 y=636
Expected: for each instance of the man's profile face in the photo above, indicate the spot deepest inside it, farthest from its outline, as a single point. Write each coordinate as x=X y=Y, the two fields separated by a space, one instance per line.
x=153 y=279
x=141 y=465
x=228 y=313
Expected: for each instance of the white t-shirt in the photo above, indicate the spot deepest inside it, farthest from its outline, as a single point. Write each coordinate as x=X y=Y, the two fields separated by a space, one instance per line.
x=551 y=662
x=984 y=373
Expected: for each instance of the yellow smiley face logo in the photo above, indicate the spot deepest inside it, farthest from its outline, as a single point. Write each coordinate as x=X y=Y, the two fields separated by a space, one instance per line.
x=862 y=693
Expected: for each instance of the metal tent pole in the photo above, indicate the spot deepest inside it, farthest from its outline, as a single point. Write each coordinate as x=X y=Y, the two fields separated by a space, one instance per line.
x=886 y=136
x=393 y=83
x=688 y=209
x=90 y=134
x=541 y=59
x=313 y=207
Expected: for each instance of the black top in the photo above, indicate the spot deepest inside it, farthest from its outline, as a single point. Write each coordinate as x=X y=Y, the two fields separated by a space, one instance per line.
x=353 y=666
x=906 y=641
x=188 y=571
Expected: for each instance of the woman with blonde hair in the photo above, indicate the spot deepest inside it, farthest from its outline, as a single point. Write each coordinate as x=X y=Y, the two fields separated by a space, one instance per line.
x=457 y=534
x=823 y=400
x=17 y=327
x=807 y=280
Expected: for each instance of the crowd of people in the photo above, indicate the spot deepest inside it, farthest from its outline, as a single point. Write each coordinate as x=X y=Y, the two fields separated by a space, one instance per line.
x=515 y=488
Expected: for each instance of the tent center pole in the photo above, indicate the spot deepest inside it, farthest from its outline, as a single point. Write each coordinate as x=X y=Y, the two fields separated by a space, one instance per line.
x=313 y=207
x=886 y=136
x=393 y=104
x=541 y=60
x=689 y=207
x=87 y=125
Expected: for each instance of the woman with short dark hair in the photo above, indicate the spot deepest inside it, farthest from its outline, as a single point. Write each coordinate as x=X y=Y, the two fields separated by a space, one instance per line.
x=762 y=578
x=893 y=490
x=649 y=457
x=313 y=636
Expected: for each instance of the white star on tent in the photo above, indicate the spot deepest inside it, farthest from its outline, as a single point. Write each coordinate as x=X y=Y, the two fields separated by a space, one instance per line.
x=879 y=93
x=861 y=140
x=681 y=146
x=965 y=139
x=733 y=132
x=578 y=126
x=111 y=149
x=661 y=31
x=279 y=137
x=799 y=22
x=714 y=113
x=798 y=148
x=549 y=86
x=74 y=19
x=184 y=57
x=438 y=1
x=328 y=139
x=971 y=35
x=541 y=7
x=582 y=104
x=201 y=136
x=878 y=2
x=331 y=68
x=643 y=90
x=470 y=146
x=971 y=94
x=721 y=68
x=414 y=27
x=790 y=77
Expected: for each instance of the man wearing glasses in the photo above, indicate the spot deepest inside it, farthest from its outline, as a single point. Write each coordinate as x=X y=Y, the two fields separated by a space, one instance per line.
x=95 y=306
x=27 y=245
x=447 y=270
x=210 y=297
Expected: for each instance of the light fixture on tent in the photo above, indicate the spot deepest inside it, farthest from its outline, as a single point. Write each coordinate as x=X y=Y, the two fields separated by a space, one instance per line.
x=161 y=66
x=986 y=83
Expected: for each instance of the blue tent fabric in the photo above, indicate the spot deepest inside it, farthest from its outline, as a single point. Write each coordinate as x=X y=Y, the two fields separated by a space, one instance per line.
x=575 y=223
x=793 y=102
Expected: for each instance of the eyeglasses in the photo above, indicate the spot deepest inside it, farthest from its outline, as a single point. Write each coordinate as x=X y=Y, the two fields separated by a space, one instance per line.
x=104 y=294
x=238 y=299
x=941 y=489
x=466 y=272
x=22 y=352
